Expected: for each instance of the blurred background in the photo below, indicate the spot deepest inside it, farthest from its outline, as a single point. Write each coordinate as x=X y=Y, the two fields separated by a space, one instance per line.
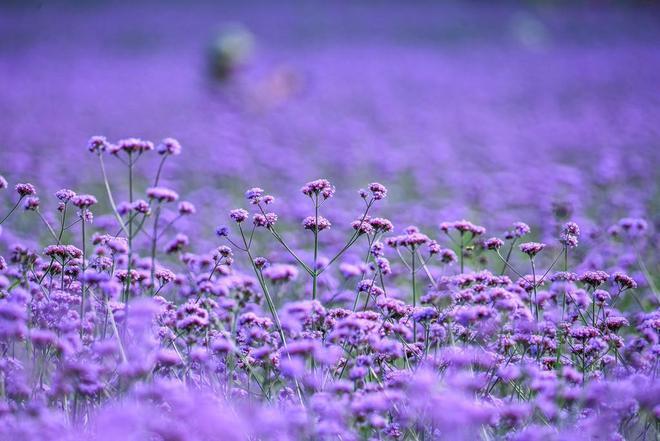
x=493 y=111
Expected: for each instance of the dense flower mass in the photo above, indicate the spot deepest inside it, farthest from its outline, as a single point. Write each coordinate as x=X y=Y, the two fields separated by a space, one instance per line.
x=128 y=328
x=491 y=272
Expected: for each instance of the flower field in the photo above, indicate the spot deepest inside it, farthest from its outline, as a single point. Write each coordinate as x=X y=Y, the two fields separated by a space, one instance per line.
x=351 y=221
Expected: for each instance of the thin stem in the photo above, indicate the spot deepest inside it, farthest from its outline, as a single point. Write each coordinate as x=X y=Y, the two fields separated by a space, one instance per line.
x=315 y=275
x=50 y=229
x=508 y=264
x=12 y=210
x=462 y=246
x=154 y=241
x=294 y=255
x=536 y=305
x=110 y=198
x=130 y=228
x=508 y=255
x=82 y=279
x=160 y=169
x=111 y=315
x=414 y=292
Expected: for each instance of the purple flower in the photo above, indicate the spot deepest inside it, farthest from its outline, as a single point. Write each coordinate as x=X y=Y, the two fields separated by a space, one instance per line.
x=264 y=220
x=169 y=146
x=25 y=190
x=531 y=248
x=316 y=223
x=594 y=278
x=83 y=201
x=65 y=195
x=31 y=203
x=98 y=144
x=162 y=194
x=238 y=215
x=493 y=243
x=318 y=187
x=130 y=146
x=377 y=190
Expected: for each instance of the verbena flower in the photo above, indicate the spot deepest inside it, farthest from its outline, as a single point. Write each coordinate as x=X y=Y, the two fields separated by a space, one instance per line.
x=316 y=223
x=531 y=248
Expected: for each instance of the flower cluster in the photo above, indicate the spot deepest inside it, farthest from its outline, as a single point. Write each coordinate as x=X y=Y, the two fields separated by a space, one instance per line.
x=125 y=327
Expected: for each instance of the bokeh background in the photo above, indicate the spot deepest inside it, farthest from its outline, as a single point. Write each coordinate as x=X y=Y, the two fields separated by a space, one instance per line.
x=492 y=111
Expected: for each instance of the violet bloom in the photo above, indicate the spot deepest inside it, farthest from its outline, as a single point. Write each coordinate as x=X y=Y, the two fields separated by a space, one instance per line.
x=83 y=201
x=493 y=243
x=319 y=187
x=239 y=215
x=169 y=146
x=316 y=223
x=531 y=248
x=98 y=144
x=162 y=194
x=25 y=190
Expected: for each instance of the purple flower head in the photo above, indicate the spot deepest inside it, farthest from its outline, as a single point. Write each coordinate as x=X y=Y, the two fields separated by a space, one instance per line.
x=568 y=240
x=264 y=220
x=83 y=201
x=163 y=275
x=370 y=287
x=624 y=281
x=377 y=190
x=130 y=146
x=3 y=183
x=412 y=238
x=186 y=208
x=594 y=278
x=222 y=231
x=434 y=248
x=564 y=276
x=464 y=226
x=318 y=187
x=520 y=229
x=224 y=251
x=260 y=262
x=25 y=190
x=31 y=203
x=493 y=243
x=531 y=248
x=63 y=252
x=316 y=223
x=98 y=144
x=380 y=224
x=162 y=194
x=362 y=226
x=169 y=146
x=238 y=215
x=570 y=234
x=448 y=256
x=141 y=206
x=65 y=195
x=571 y=228
x=280 y=273
x=254 y=195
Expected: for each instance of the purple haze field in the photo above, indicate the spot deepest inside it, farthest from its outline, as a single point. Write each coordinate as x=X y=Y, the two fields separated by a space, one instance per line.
x=147 y=302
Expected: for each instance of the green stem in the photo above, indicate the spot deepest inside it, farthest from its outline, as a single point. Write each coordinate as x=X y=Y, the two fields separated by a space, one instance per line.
x=315 y=270
x=82 y=279
x=11 y=211
x=414 y=291
x=536 y=306
x=154 y=241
